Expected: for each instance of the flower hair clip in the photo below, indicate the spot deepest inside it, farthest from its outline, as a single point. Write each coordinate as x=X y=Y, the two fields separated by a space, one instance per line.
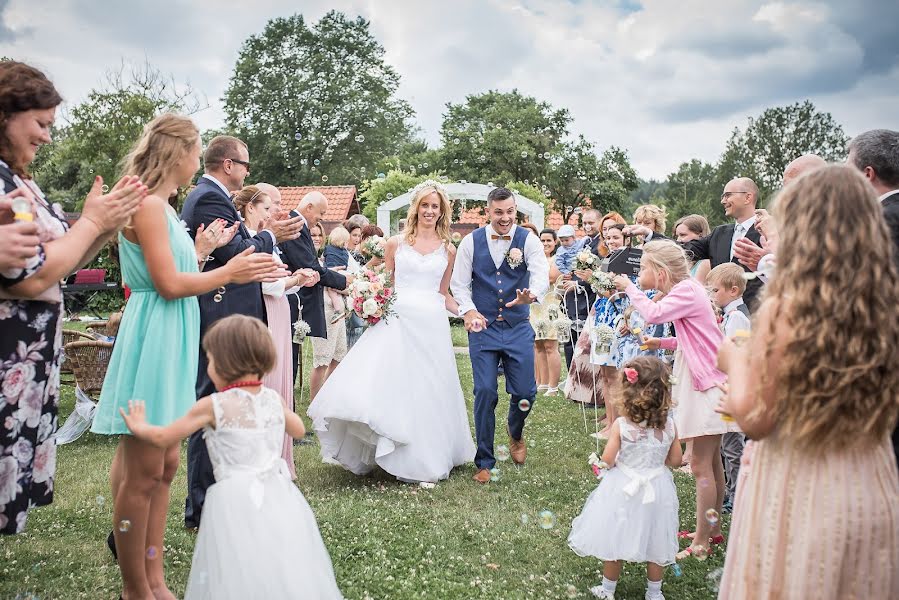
x=632 y=375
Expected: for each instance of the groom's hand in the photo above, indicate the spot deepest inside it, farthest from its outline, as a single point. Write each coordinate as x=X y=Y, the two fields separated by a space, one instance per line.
x=474 y=321
x=522 y=297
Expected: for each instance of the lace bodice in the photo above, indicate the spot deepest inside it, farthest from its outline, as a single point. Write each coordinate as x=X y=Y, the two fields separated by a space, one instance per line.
x=248 y=434
x=643 y=447
x=416 y=271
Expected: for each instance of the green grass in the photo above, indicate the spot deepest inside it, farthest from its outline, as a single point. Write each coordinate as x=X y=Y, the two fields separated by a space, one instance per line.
x=386 y=539
x=459 y=336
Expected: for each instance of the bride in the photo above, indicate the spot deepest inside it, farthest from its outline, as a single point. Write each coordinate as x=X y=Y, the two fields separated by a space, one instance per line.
x=395 y=400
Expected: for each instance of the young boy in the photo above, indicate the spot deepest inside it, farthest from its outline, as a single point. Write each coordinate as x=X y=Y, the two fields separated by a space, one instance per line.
x=565 y=255
x=726 y=286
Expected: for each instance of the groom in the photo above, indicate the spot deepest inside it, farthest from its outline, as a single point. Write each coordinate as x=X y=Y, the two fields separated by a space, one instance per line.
x=500 y=270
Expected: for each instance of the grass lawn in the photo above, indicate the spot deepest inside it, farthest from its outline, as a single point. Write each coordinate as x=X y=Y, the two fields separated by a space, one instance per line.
x=386 y=539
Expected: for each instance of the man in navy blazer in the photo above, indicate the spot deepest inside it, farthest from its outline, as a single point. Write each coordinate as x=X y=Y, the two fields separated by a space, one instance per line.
x=876 y=154
x=300 y=253
x=226 y=164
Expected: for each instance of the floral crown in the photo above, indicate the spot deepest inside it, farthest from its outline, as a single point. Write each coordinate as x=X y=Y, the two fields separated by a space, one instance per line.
x=429 y=183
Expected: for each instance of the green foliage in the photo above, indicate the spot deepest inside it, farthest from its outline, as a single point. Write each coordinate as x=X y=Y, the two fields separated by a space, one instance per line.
x=316 y=103
x=499 y=136
x=776 y=137
x=694 y=189
x=98 y=133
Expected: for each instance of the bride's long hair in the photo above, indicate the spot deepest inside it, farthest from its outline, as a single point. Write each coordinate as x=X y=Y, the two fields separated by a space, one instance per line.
x=443 y=221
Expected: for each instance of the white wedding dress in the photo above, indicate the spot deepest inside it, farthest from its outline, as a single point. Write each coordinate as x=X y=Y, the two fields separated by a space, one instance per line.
x=395 y=400
x=258 y=538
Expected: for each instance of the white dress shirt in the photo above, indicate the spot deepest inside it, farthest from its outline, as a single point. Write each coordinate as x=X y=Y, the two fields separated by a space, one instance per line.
x=740 y=230
x=538 y=266
x=276 y=288
x=735 y=320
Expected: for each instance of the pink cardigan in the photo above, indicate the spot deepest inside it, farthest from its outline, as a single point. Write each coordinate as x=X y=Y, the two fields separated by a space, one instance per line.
x=687 y=305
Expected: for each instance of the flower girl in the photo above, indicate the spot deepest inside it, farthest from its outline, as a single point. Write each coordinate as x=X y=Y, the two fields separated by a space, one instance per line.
x=632 y=514
x=259 y=538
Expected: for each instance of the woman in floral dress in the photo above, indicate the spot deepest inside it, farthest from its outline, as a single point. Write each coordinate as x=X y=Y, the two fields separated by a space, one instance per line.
x=31 y=299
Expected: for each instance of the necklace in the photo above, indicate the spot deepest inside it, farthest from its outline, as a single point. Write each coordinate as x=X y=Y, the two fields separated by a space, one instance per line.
x=241 y=384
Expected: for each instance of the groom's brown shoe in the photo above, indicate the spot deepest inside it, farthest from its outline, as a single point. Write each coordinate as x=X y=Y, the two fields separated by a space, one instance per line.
x=517 y=448
x=482 y=476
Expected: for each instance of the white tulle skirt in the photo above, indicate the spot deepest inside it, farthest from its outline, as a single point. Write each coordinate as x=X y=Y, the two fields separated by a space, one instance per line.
x=263 y=547
x=616 y=526
x=395 y=400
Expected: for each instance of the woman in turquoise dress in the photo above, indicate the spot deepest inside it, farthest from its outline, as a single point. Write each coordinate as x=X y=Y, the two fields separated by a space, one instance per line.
x=155 y=354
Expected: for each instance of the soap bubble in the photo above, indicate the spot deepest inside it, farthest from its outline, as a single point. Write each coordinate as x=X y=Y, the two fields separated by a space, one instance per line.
x=122 y=138
x=502 y=453
x=105 y=188
x=389 y=196
x=124 y=525
x=525 y=519
x=283 y=144
x=495 y=474
x=324 y=178
x=524 y=405
x=381 y=176
x=676 y=569
x=298 y=136
x=316 y=162
x=546 y=519
x=360 y=138
x=713 y=579
x=524 y=154
x=570 y=591
x=152 y=552
x=711 y=515
x=217 y=298
x=456 y=141
x=101 y=500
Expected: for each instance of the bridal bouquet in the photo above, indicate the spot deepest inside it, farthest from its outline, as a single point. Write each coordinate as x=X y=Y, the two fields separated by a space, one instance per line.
x=372 y=295
x=374 y=246
x=585 y=260
x=602 y=282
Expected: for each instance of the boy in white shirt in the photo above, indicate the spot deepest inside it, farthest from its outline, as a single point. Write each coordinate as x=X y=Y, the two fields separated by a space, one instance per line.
x=726 y=286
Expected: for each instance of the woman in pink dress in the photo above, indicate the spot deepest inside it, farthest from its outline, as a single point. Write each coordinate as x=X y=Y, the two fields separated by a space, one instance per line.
x=817 y=389
x=256 y=207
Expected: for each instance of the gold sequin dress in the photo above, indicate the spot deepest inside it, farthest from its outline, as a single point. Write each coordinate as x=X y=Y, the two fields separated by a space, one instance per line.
x=820 y=525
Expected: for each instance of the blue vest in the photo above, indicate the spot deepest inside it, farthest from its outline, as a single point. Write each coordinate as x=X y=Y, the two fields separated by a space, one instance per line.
x=492 y=287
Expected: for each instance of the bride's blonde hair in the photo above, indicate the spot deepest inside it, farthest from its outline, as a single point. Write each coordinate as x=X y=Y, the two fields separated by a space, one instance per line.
x=443 y=221
x=838 y=380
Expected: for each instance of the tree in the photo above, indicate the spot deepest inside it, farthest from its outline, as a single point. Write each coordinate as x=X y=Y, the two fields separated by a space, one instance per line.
x=316 y=104
x=578 y=177
x=775 y=138
x=694 y=189
x=97 y=134
x=498 y=136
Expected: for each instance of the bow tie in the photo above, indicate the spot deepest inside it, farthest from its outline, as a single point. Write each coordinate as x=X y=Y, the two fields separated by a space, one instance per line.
x=501 y=237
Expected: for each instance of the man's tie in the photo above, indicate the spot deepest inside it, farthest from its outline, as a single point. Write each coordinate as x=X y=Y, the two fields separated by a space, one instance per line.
x=501 y=237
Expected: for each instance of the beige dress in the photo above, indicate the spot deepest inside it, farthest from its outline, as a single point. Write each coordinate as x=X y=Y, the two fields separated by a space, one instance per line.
x=821 y=524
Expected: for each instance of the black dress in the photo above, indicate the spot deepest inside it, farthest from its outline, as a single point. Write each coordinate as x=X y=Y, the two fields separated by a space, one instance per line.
x=30 y=353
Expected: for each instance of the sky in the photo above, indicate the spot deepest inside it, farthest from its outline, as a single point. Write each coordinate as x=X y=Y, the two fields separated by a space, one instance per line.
x=666 y=80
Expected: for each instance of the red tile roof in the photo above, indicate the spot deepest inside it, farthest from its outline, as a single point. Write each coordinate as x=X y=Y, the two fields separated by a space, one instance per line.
x=342 y=201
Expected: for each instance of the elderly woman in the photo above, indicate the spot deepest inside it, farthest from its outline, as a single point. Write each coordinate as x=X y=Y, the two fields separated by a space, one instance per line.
x=31 y=306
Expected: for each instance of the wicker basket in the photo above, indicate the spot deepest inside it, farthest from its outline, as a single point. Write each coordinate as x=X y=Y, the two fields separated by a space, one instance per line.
x=90 y=361
x=69 y=336
x=96 y=326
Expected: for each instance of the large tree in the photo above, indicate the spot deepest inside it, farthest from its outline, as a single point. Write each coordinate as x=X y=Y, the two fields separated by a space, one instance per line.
x=497 y=136
x=694 y=189
x=94 y=137
x=774 y=138
x=316 y=103
x=577 y=177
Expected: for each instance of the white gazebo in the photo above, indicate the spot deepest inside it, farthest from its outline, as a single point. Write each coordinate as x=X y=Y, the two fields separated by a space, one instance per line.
x=476 y=192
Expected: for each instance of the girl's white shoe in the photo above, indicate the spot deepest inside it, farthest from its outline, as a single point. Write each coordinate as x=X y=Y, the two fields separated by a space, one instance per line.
x=600 y=592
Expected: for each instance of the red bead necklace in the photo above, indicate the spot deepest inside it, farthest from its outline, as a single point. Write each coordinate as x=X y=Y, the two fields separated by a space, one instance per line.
x=240 y=384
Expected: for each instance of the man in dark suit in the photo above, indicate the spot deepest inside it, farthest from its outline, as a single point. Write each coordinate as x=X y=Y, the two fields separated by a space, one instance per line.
x=226 y=164
x=579 y=296
x=876 y=154
x=739 y=200
x=299 y=254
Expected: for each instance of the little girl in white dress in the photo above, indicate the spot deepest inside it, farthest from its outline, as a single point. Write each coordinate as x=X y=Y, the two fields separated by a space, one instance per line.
x=258 y=537
x=632 y=514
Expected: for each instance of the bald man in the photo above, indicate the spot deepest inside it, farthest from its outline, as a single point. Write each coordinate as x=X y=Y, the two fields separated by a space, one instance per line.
x=750 y=254
x=292 y=299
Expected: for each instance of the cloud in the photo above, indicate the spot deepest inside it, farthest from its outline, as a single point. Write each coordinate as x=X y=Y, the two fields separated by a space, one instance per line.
x=666 y=80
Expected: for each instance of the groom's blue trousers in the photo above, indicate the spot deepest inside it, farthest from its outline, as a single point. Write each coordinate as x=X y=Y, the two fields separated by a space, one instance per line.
x=513 y=346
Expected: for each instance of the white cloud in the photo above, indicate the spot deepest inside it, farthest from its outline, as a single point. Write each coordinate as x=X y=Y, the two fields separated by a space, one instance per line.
x=666 y=80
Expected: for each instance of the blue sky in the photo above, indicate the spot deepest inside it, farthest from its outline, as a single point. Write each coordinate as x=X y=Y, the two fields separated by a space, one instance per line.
x=667 y=80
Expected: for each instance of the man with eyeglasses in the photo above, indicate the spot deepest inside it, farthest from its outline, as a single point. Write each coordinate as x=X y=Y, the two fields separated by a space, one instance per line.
x=226 y=164
x=739 y=200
